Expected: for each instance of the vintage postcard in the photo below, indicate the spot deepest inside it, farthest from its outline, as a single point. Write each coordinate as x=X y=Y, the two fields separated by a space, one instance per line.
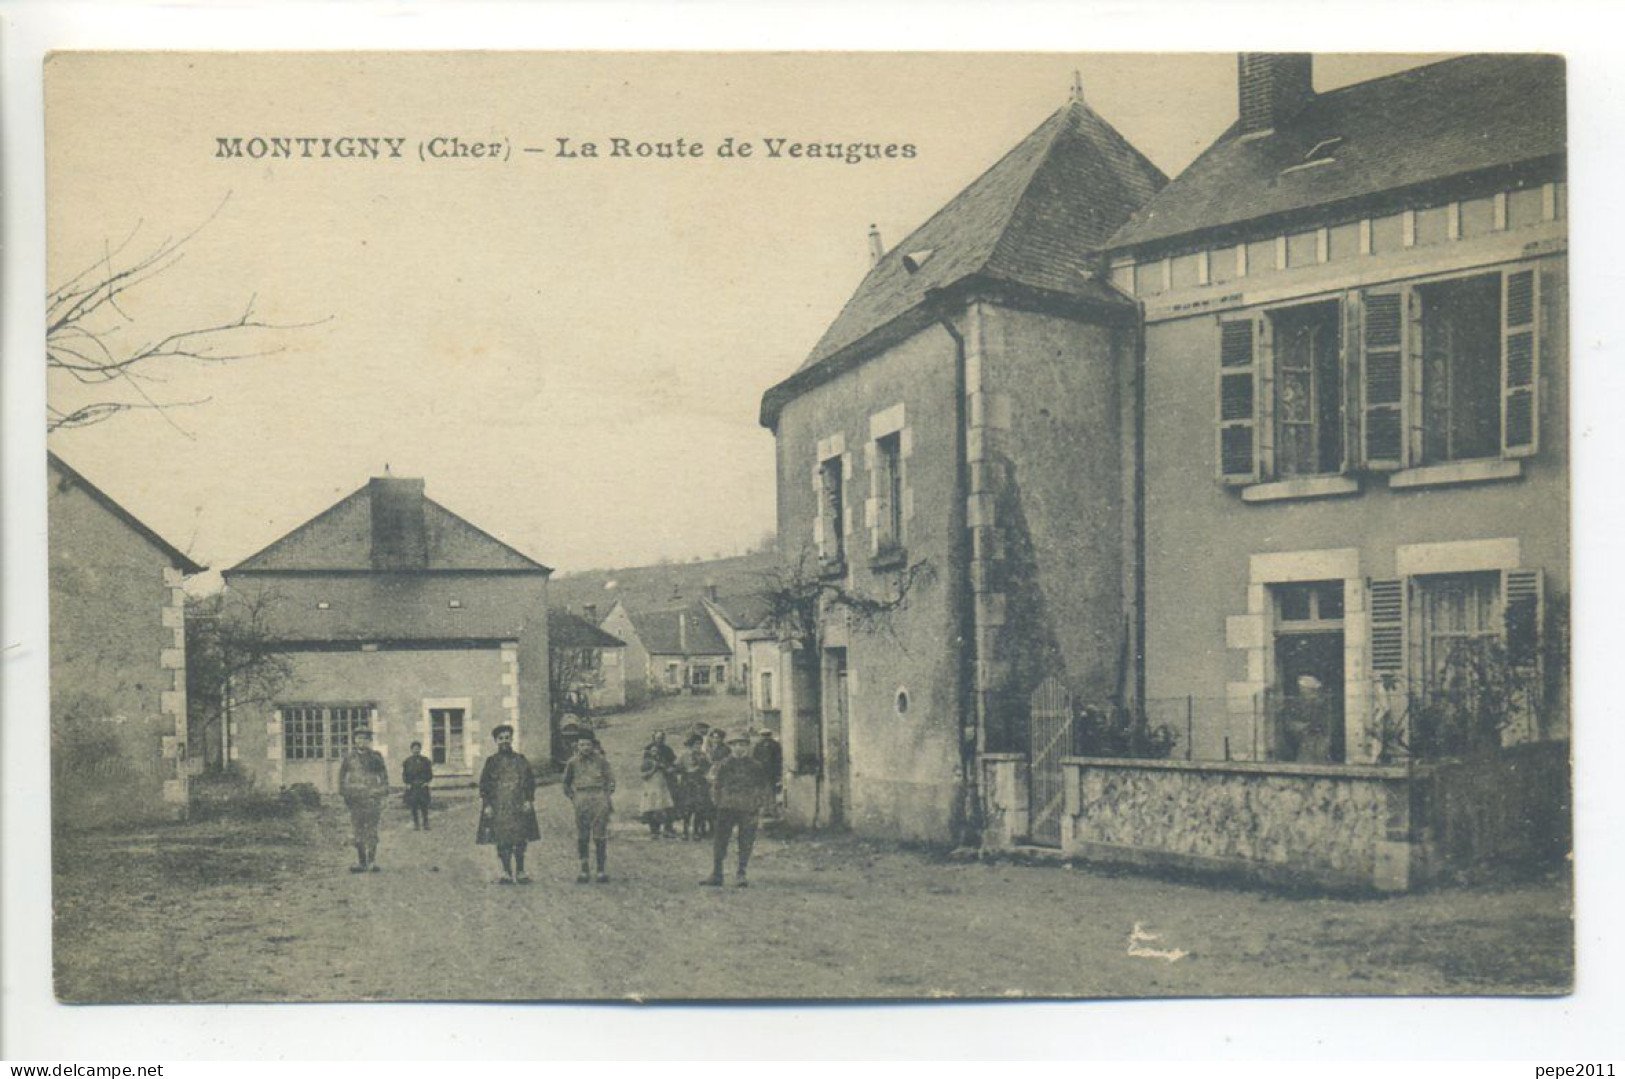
x=713 y=526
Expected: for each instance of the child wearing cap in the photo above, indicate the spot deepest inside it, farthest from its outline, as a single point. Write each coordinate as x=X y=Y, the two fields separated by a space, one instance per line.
x=589 y=783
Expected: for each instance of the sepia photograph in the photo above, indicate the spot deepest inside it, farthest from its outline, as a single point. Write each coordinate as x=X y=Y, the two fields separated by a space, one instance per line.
x=807 y=526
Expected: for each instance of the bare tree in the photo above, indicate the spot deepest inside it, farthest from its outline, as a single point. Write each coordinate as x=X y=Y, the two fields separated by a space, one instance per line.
x=796 y=594
x=90 y=338
x=231 y=661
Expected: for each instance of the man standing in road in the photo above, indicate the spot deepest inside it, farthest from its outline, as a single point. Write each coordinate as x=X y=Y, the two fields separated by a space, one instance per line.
x=363 y=782
x=588 y=782
x=739 y=789
x=770 y=755
x=417 y=773
x=508 y=806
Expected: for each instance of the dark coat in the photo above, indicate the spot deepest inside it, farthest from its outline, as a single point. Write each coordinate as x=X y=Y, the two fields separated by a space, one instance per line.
x=738 y=784
x=416 y=770
x=508 y=787
x=363 y=777
x=770 y=755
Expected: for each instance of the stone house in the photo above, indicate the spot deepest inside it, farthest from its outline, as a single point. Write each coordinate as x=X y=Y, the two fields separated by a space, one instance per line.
x=118 y=660
x=599 y=663
x=955 y=434
x=399 y=614
x=1369 y=316
x=672 y=650
x=1362 y=296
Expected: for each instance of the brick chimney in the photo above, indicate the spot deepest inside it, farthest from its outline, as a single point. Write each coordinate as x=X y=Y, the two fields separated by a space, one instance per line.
x=1273 y=87
x=399 y=539
x=591 y=611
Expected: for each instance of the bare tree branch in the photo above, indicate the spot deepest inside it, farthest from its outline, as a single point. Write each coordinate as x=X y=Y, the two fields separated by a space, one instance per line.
x=85 y=316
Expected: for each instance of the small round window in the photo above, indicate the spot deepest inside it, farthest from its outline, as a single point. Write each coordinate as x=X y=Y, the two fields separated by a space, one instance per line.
x=902 y=702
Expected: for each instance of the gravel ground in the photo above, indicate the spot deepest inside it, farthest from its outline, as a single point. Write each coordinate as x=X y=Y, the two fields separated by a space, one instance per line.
x=265 y=910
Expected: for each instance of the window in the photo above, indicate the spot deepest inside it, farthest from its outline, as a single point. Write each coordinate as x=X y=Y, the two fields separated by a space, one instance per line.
x=1308 y=390
x=1304 y=707
x=767 y=689
x=1460 y=617
x=889 y=492
x=701 y=675
x=721 y=674
x=1451 y=370
x=313 y=732
x=832 y=512
x=1461 y=369
x=672 y=675
x=446 y=738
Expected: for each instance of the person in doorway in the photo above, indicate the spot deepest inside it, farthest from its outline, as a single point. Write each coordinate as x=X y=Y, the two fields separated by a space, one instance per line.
x=508 y=806
x=363 y=782
x=589 y=784
x=416 y=774
x=770 y=755
x=656 y=802
x=739 y=789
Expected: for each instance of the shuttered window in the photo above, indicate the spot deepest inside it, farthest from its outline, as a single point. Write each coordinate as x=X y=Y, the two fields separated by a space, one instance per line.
x=1382 y=377
x=1520 y=363
x=1238 y=401
x=1388 y=619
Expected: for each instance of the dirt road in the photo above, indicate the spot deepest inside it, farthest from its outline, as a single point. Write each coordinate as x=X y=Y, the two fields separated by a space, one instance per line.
x=232 y=911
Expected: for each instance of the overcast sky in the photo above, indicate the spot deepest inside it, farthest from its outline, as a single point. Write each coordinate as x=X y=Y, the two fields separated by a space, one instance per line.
x=571 y=352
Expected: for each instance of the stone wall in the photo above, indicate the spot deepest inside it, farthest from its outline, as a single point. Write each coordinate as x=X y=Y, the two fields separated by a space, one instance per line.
x=1282 y=823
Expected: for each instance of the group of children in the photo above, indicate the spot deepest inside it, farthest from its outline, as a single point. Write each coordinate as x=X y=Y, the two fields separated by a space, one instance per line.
x=676 y=787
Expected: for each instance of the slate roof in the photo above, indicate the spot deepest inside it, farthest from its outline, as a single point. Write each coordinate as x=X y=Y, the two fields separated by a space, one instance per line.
x=1032 y=220
x=340 y=539
x=177 y=558
x=665 y=633
x=566 y=630
x=396 y=607
x=1429 y=124
x=744 y=611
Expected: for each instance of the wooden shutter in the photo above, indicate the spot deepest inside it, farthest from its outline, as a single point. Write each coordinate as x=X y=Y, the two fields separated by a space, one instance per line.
x=1382 y=378
x=1350 y=345
x=1237 y=420
x=1522 y=590
x=1388 y=622
x=1520 y=362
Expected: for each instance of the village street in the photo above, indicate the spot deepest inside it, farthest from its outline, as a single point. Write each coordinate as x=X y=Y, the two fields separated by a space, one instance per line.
x=265 y=910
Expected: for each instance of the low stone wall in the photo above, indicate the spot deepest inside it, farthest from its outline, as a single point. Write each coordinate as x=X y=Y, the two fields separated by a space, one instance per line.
x=1328 y=825
x=1006 y=800
x=1515 y=807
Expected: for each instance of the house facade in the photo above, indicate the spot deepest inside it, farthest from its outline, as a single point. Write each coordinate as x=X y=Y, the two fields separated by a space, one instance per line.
x=1370 y=319
x=675 y=650
x=593 y=662
x=398 y=614
x=950 y=472
x=1268 y=461
x=118 y=660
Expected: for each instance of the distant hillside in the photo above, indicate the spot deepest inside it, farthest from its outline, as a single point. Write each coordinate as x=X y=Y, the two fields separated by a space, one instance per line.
x=649 y=588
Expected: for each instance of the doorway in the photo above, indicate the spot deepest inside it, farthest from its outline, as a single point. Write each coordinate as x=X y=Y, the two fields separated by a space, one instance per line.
x=837 y=752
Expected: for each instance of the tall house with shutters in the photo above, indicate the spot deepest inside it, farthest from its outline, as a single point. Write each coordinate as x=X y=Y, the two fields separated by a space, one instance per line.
x=395 y=612
x=951 y=451
x=1362 y=296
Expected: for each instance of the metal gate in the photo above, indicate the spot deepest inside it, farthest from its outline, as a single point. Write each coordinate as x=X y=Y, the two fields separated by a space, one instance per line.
x=1050 y=726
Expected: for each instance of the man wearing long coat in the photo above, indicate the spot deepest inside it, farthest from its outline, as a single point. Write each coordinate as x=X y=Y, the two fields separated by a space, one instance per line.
x=507 y=806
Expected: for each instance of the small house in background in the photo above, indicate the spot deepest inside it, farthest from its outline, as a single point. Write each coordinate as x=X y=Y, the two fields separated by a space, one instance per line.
x=740 y=619
x=399 y=614
x=587 y=663
x=118 y=660
x=671 y=651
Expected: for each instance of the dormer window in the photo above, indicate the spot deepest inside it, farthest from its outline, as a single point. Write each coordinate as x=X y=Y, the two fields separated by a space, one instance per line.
x=323 y=605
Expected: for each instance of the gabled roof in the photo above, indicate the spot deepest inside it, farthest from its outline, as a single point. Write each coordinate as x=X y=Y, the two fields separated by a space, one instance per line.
x=1033 y=220
x=1452 y=119
x=743 y=611
x=339 y=539
x=566 y=630
x=73 y=476
x=681 y=631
